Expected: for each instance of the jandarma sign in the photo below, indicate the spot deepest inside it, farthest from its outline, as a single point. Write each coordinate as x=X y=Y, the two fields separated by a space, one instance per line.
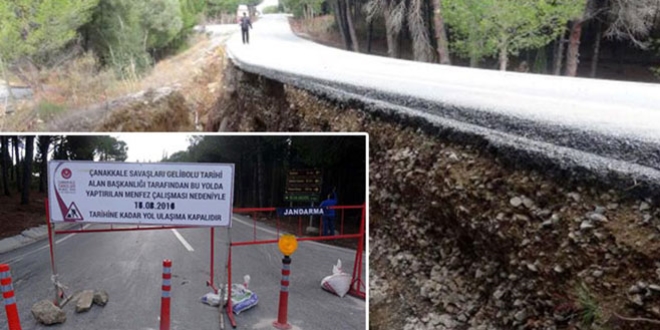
x=293 y=211
x=141 y=193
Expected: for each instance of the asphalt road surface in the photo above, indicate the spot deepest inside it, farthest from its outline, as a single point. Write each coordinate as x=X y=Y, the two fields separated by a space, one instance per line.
x=596 y=124
x=129 y=266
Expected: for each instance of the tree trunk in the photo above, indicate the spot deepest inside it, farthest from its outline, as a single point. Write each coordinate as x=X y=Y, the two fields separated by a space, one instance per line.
x=596 y=54
x=558 y=58
x=393 y=49
x=4 y=143
x=44 y=144
x=370 y=36
x=441 y=33
x=351 y=28
x=27 y=169
x=573 y=52
x=17 y=159
x=504 y=57
x=340 y=19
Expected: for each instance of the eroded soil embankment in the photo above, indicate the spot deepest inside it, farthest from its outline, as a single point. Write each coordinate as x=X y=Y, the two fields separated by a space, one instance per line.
x=463 y=237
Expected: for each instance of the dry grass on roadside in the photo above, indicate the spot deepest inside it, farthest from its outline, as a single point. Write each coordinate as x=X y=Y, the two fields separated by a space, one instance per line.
x=82 y=83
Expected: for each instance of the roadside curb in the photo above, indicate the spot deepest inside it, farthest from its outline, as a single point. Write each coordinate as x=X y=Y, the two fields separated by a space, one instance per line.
x=29 y=236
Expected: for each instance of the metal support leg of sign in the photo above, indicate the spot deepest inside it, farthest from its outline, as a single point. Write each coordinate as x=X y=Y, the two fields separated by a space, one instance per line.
x=230 y=315
x=51 y=244
x=210 y=281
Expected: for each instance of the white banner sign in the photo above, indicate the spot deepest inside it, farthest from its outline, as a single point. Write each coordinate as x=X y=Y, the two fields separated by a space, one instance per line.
x=141 y=193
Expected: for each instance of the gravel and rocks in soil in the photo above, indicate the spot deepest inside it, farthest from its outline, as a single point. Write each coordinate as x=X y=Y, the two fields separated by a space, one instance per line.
x=465 y=236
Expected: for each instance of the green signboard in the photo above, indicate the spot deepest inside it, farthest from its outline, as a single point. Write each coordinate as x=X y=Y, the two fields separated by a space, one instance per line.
x=303 y=185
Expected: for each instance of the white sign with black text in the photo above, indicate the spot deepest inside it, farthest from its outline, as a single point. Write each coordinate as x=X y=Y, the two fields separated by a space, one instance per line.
x=197 y=194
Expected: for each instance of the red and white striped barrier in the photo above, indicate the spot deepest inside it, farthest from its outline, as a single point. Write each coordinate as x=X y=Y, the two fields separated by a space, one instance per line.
x=10 y=300
x=165 y=298
x=281 y=322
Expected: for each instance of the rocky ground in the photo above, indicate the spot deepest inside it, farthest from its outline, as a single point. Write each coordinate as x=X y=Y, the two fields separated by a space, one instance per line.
x=464 y=237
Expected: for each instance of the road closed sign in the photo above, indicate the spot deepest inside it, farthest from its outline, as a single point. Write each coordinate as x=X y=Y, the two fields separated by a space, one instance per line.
x=141 y=193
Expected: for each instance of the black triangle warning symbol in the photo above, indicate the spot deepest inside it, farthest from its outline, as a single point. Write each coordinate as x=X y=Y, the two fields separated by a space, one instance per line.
x=73 y=214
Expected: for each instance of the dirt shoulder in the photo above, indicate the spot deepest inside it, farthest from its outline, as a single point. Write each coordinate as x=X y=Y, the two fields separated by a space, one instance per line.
x=174 y=96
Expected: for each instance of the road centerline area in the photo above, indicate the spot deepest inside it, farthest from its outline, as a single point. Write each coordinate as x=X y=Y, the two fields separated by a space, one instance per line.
x=183 y=240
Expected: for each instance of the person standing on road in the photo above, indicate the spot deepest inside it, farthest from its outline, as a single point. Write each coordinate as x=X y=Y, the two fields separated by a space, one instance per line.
x=329 y=214
x=245 y=26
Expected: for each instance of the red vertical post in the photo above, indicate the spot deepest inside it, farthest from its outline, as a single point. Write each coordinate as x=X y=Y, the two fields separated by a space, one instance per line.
x=281 y=322
x=232 y=321
x=356 y=281
x=299 y=226
x=165 y=297
x=10 y=300
x=212 y=258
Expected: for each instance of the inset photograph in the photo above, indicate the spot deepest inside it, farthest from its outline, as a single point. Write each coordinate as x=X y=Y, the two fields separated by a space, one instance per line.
x=175 y=231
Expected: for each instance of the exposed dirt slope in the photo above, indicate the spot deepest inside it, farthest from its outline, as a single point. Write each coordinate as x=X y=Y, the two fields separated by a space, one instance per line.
x=463 y=237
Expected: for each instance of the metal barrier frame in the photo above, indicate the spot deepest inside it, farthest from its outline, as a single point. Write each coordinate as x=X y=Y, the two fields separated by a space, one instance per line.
x=357 y=284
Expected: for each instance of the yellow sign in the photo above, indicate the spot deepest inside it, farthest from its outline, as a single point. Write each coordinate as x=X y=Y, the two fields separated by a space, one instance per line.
x=287 y=244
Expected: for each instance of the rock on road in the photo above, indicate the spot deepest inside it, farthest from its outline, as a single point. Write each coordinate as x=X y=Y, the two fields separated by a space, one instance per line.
x=129 y=266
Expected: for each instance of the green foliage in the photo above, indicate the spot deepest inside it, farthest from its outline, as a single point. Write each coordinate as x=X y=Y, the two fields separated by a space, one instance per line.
x=104 y=148
x=49 y=110
x=482 y=28
x=300 y=8
x=590 y=311
x=271 y=10
x=36 y=28
x=128 y=34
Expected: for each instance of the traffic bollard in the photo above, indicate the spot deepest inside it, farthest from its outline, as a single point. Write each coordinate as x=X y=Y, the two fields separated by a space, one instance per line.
x=10 y=300
x=165 y=298
x=281 y=322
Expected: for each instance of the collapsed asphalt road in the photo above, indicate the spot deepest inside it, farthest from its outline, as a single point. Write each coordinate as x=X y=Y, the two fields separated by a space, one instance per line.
x=603 y=127
x=129 y=266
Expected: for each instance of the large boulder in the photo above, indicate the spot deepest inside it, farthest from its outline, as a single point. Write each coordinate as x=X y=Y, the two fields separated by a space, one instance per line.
x=100 y=297
x=85 y=301
x=47 y=313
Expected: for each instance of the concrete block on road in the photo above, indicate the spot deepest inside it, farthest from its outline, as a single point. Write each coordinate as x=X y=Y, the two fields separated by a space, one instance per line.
x=101 y=297
x=85 y=301
x=47 y=313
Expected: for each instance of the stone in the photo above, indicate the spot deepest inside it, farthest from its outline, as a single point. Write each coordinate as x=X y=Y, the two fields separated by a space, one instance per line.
x=515 y=201
x=532 y=267
x=586 y=224
x=612 y=206
x=599 y=210
x=498 y=294
x=634 y=289
x=654 y=287
x=85 y=301
x=546 y=223
x=597 y=273
x=574 y=196
x=521 y=316
x=636 y=299
x=100 y=297
x=45 y=312
x=597 y=217
x=558 y=269
x=644 y=206
x=528 y=203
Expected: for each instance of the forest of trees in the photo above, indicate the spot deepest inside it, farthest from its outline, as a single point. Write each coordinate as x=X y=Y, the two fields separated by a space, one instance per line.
x=24 y=159
x=125 y=35
x=544 y=36
x=262 y=164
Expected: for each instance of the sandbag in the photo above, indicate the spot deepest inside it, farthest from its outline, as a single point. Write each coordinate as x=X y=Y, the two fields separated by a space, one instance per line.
x=338 y=283
x=241 y=297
